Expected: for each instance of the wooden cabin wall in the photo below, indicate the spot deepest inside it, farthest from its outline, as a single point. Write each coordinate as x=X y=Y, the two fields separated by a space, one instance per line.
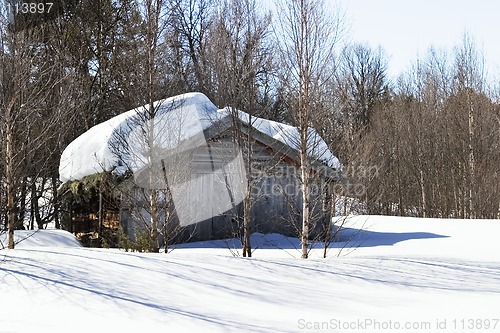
x=276 y=194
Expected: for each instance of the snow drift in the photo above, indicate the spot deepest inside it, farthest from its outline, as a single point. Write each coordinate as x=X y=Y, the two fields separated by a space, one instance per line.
x=25 y=239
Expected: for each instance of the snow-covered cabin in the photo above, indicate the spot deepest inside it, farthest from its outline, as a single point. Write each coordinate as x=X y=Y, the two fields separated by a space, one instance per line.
x=189 y=149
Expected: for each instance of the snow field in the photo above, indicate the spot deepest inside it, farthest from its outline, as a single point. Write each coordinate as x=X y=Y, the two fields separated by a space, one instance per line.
x=397 y=275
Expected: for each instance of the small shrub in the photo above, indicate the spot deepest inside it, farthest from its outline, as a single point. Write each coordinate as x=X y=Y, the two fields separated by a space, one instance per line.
x=143 y=242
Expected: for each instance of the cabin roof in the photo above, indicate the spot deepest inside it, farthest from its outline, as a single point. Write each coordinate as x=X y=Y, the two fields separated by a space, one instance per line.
x=106 y=146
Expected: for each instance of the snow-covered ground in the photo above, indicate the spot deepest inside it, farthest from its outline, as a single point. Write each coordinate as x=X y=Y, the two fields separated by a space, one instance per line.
x=398 y=274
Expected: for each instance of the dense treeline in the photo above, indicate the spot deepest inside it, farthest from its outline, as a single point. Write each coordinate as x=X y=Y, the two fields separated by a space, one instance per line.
x=435 y=139
x=424 y=144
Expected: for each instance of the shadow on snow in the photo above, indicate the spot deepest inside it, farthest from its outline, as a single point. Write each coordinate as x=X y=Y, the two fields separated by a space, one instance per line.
x=365 y=238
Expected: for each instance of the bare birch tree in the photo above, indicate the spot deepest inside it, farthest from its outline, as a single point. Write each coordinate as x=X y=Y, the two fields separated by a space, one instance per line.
x=307 y=35
x=239 y=55
x=150 y=33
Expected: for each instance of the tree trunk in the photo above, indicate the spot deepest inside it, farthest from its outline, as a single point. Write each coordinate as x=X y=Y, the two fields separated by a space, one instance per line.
x=36 y=206
x=153 y=9
x=422 y=193
x=169 y=209
x=247 y=202
x=305 y=214
x=22 y=202
x=9 y=168
x=247 y=247
x=56 y=203
x=305 y=192
x=154 y=220
x=100 y=213
x=471 y=159
x=328 y=214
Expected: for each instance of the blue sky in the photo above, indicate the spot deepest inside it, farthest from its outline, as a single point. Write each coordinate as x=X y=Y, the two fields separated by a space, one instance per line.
x=406 y=29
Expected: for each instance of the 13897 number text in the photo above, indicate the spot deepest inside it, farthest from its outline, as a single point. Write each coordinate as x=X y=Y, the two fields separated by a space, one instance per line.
x=475 y=324
x=31 y=7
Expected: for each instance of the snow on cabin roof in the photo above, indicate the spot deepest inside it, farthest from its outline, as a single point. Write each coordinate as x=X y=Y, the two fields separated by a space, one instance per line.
x=177 y=118
x=289 y=135
x=96 y=150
